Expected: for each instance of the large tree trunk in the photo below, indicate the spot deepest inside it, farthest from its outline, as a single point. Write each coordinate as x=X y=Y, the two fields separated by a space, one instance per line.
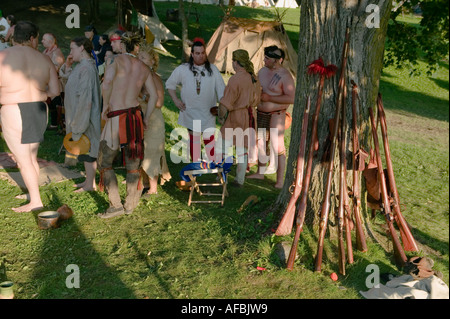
x=323 y=25
x=93 y=11
x=184 y=32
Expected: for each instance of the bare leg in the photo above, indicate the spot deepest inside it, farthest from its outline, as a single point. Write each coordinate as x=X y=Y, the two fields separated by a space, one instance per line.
x=25 y=155
x=261 y=144
x=89 y=184
x=280 y=171
x=278 y=121
x=153 y=185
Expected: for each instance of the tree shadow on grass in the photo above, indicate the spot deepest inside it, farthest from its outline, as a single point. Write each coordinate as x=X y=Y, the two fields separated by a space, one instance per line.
x=396 y=97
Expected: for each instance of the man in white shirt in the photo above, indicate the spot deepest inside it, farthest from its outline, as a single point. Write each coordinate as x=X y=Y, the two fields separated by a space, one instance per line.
x=202 y=87
x=4 y=27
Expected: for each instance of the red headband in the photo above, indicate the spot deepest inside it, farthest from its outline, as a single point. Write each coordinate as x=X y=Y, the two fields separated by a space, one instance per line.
x=114 y=38
x=199 y=40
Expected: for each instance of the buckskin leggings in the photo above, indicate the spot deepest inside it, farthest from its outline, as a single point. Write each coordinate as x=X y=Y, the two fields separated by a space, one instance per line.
x=105 y=165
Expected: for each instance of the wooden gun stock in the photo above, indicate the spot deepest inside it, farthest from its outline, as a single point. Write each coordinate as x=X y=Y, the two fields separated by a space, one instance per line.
x=407 y=238
x=399 y=254
x=286 y=223
x=360 y=236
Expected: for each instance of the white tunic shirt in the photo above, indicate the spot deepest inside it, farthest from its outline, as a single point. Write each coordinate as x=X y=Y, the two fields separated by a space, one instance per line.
x=3 y=22
x=197 y=104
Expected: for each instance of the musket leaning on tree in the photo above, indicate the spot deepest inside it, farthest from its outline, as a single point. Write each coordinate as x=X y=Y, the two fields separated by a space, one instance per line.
x=405 y=233
x=326 y=198
x=316 y=67
x=286 y=223
x=341 y=216
x=357 y=159
x=399 y=254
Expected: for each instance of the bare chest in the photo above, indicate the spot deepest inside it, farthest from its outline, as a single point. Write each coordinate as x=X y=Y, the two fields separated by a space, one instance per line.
x=271 y=82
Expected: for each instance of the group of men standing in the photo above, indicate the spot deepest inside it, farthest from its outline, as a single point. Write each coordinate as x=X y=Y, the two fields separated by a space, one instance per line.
x=28 y=78
x=254 y=105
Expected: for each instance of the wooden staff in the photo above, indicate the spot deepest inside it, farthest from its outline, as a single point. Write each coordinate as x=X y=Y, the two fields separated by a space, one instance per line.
x=399 y=254
x=286 y=223
x=360 y=237
x=326 y=199
x=407 y=238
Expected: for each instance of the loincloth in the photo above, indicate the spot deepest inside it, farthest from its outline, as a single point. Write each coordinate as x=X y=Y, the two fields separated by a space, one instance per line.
x=34 y=121
x=131 y=131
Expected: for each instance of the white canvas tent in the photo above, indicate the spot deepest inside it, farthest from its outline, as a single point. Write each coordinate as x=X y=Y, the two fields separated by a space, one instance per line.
x=253 y=36
x=159 y=30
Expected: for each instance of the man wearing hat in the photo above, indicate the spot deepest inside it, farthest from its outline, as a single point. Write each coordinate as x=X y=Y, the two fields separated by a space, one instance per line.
x=278 y=91
x=91 y=34
x=240 y=98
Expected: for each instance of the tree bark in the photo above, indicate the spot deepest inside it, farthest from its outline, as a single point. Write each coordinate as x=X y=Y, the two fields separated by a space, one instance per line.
x=121 y=10
x=322 y=34
x=93 y=11
x=184 y=32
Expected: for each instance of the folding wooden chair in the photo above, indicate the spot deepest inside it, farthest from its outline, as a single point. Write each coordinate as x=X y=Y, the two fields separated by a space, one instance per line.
x=195 y=187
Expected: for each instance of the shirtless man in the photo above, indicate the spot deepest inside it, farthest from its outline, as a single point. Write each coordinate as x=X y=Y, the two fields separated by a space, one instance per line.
x=125 y=75
x=27 y=78
x=55 y=54
x=278 y=91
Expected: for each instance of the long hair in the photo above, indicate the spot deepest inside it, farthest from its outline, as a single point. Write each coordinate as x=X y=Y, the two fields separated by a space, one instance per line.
x=148 y=48
x=198 y=43
x=131 y=41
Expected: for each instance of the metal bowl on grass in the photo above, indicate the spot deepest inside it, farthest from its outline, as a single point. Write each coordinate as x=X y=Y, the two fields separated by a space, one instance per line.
x=48 y=220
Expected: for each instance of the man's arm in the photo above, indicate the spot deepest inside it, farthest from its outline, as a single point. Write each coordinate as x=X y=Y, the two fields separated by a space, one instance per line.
x=58 y=60
x=53 y=89
x=171 y=85
x=153 y=97
x=178 y=103
x=2 y=57
x=110 y=73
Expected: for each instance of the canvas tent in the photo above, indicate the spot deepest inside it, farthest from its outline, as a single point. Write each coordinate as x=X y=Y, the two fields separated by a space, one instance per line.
x=253 y=36
x=159 y=30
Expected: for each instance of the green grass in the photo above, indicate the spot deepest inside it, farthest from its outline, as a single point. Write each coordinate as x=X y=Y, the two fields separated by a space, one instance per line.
x=167 y=249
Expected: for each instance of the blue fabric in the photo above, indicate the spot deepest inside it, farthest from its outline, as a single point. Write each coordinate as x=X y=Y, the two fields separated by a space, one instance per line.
x=225 y=165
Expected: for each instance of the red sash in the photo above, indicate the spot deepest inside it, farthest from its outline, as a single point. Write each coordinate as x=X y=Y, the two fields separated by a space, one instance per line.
x=131 y=131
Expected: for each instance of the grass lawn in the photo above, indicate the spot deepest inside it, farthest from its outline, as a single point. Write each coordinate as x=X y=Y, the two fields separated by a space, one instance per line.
x=168 y=250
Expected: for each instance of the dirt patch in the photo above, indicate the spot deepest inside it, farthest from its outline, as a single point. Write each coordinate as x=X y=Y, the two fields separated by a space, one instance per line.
x=50 y=172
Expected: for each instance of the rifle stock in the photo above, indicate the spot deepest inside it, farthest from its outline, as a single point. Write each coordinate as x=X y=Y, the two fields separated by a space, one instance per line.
x=347 y=223
x=326 y=198
x=360 y=236
x=407 y=238
x=286 y=223
x=301 y=209
x=399 y=254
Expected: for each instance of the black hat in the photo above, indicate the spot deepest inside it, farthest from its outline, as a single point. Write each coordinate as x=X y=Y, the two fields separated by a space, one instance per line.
x=89 y=28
